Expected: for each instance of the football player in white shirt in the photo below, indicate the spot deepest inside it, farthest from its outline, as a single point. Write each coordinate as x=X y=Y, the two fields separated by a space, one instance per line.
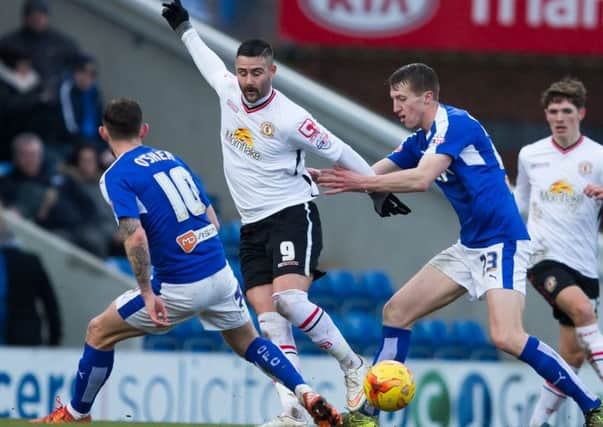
x=559 y=186
x=264 y=138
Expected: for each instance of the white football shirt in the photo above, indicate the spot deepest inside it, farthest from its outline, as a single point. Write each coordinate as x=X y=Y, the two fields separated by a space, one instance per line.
x=263 y=146
x=562 y=221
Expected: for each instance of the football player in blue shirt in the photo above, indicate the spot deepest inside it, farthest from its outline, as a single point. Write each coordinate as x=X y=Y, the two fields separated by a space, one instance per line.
x=452 y=149
x=166 y=221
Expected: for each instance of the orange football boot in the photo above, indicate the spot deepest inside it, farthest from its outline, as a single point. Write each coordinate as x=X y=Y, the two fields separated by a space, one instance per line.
x=60 y=416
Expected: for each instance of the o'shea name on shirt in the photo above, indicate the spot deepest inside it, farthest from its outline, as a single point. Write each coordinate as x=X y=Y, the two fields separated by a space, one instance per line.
x=147 y=159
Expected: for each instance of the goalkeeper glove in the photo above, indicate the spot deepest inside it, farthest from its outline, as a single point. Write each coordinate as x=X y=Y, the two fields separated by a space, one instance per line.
x=174 y=13
x=386 y=204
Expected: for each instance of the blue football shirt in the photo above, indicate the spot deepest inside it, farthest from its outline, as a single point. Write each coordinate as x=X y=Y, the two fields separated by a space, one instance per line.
x=160 y=189
x=474 y=183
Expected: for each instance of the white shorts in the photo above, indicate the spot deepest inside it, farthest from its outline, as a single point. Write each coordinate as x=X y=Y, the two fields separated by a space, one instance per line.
x=500 y=266
x=217 y=300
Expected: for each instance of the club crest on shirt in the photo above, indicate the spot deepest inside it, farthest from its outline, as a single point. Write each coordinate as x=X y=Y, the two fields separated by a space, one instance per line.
x=585 y=168
x=550 y=283
x=267 y=129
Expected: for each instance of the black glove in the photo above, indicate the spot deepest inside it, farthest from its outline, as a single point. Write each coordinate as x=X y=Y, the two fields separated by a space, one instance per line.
x=174 y=13
x=386 y=204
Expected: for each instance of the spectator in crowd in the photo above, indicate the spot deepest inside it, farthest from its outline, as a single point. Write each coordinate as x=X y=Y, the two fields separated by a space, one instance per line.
x=24 y=289
x=106 y=158
x=81 y=102
x=20 y=95
x=55 y=201
x=27 y=188
x=84 y=167
x=52 y=52
x=52 y=55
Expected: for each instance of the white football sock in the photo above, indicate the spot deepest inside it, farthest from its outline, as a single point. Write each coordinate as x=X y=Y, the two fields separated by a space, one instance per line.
x=312 y=320
x=75 y=414
x=549 y=401
x=591 y=340
x=277 y=329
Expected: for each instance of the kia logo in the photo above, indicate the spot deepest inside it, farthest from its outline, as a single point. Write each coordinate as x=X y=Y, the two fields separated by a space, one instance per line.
x=369 y=18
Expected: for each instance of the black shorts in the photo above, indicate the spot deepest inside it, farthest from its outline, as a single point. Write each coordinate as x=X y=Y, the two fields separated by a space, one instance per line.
x=551 y=277
x=286 y=242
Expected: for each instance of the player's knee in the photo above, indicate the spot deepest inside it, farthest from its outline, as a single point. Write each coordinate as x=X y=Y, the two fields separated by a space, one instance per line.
x=95 y=331
x=582 y=313
x=508 y=340
x=285 y=301
x=395 y=315
x=500 y=340
x=272 y=325
x=574 y=358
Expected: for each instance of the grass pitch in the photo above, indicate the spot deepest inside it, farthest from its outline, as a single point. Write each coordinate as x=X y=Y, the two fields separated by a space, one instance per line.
x=23 y=423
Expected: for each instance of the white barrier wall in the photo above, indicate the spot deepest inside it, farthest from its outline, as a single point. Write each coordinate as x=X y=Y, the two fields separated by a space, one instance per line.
x=223 y=389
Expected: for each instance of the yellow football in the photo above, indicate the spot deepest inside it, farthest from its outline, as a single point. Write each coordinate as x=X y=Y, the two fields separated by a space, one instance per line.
x=389 y=386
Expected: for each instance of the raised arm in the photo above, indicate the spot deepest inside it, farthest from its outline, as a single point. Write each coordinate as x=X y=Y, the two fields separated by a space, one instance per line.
x=212 y=68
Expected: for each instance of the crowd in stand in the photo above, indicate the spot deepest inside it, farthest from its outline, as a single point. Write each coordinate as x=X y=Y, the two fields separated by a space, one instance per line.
x=51 y=159
x=50 y=153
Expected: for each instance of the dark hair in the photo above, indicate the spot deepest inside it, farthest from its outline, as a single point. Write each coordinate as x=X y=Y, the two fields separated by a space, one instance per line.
x=82 y=61
x=122 y=117
x=419 y=77
x=569 y=88
x=256 y=47
x=74 y=157
x=31 y=6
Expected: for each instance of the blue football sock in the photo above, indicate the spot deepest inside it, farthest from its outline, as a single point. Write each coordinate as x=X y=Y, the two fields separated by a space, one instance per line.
x=551 y=367
x=270 y=359
x=394 y=346
x=94 y=369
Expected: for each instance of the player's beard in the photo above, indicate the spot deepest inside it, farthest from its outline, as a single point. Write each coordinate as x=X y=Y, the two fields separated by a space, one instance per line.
x=251 y=94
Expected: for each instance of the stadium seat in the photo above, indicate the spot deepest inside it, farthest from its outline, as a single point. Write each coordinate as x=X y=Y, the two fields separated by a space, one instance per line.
x=230 y=234
x=328 y=303
x=473 y=337
x=376 y=284
x=235 y=264
x=421 y=346
x=5 y=168
x=340 y=282
x=362 y=330
x=446 y=345
x=320 y=288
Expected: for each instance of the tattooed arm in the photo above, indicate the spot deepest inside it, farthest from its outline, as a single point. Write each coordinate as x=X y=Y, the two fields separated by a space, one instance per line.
x=137 y=250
